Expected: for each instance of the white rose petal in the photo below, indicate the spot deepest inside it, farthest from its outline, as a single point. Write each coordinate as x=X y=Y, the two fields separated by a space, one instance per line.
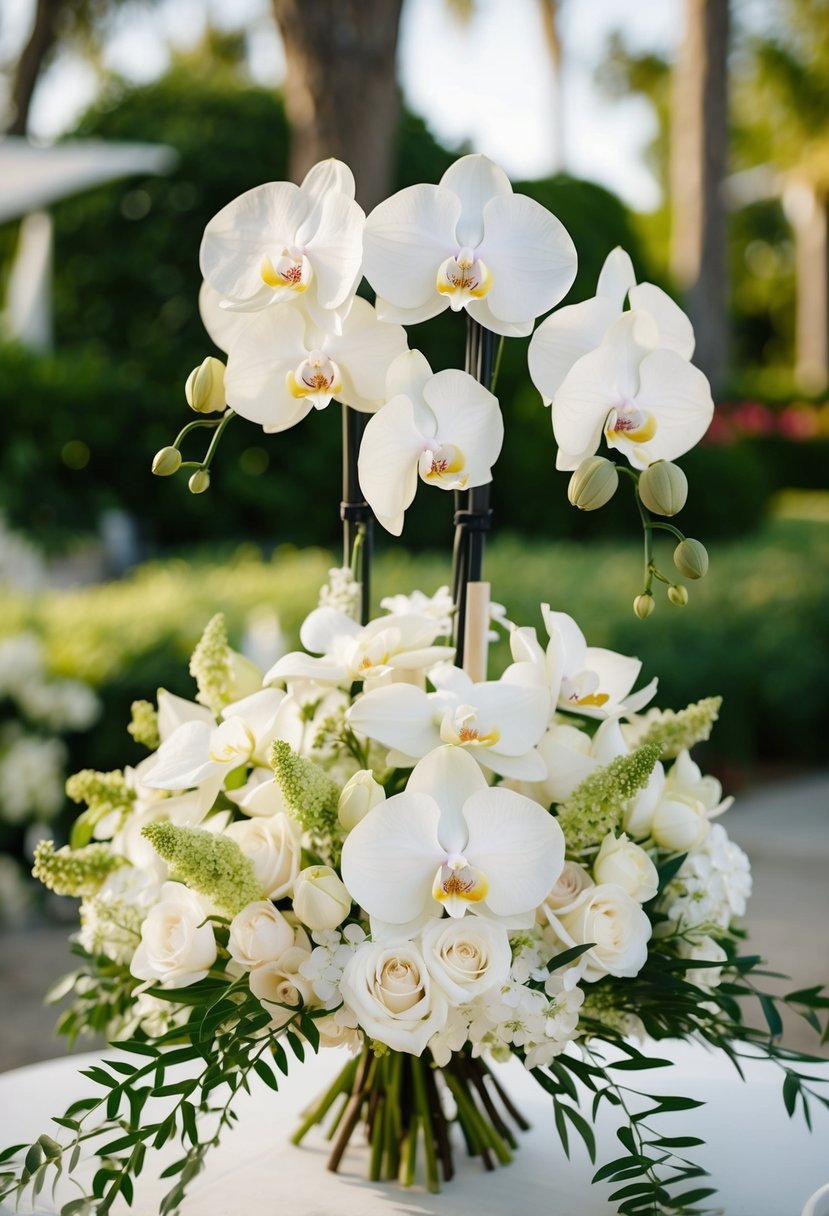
x=466 y=956
x=390 y=990
x=259 y=934
x=176 y=948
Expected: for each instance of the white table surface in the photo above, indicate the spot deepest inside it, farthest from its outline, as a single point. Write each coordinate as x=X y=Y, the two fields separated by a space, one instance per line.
x=762 y=1163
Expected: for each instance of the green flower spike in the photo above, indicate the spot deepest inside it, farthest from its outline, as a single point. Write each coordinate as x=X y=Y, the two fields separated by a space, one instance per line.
x=144 y=724
x=212 y=666
x=211 y=864
x=312 y=797
x=677 y=731
x=595 y=807
x=78 y=872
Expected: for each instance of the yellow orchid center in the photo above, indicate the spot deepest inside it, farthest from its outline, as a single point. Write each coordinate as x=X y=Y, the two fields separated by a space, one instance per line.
x=463 y=278
x=628 y=421
x=291 y=269
x=316 y=376
x=464 y=730
x=458 y=884
x=444 y=465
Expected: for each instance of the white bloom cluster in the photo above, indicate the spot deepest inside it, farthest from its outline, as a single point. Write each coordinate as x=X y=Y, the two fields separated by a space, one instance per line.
x=711 y=889
x=31 y=775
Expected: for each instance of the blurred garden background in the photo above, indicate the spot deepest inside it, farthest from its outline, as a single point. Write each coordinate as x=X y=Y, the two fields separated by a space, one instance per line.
x=696 y=136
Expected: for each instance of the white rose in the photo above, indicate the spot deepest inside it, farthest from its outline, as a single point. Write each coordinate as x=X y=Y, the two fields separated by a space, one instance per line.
x=280 y=983
x=274 y=845
x=624 y=863
x=321 y=900
x=259 y=934
x=607 y=916
x=572 y=880
x=390 y=990
x=361 y=793
x=466 y=956
x=176 y=948
x=679 y=823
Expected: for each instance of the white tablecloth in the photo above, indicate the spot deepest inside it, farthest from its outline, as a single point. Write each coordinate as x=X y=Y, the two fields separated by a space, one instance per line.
x=762 y=1163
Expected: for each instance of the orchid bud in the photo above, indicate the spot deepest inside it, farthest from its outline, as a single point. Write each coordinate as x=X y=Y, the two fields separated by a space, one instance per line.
x=166 y=462
x=205 y=387
x=678 y=595
x=644 y=605
x=321 y=900
x=679 y=824
x=691 y=558
x=360 y=795
x=593 y=483
x=663 y=488
x=199 y=482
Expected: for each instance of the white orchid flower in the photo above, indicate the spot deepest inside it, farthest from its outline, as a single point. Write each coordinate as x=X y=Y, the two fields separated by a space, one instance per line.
x=281 y=365
x=588 y=680
x=499 y=722
x=571 y=756
x=470 y=243
x=451 y=842
x=201 y=755
x=445 y=428
x=385 y=649
x=280 y=242
x=649 y=402
x=577 y=329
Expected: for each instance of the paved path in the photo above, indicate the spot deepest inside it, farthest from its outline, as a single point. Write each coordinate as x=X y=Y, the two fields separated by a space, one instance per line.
x=784 y=827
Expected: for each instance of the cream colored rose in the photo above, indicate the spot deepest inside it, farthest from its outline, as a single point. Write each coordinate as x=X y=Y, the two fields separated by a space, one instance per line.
x=466 y=956
x=280 y=983
x=274 y=845
x=361 y=793
x=607 y=916
x=679 y=823
x=259 y=934
x=572 y=880
x=321 y=900
x=624 y=863
x=390 y=990
x=176 y=947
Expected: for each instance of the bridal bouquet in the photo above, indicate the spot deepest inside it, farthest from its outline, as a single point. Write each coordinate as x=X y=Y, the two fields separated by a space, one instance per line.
x=372 y=845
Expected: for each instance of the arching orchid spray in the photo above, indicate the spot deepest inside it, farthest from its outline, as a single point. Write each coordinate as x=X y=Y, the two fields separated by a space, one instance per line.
x=372 y=844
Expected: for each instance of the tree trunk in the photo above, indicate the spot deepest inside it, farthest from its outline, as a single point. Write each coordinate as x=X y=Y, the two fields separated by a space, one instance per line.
x=41 y=40
x=807 y=212
x=699 y=156
x=340 y=87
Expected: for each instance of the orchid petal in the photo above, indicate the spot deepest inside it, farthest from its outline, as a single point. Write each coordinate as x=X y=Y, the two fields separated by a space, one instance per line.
x=328 y=177
x=451 y=776
x=363 y=353
x=675 y=330
x=567 y=766
x=389 y=859
x=407 y=376
x=520 y=713
x=270 y=346
x=411 y=316
x=183 y=760
x=638 y=700
x=680 y=397
x=469 y=417
x=529 y=766
x=387 y=463
x=406 y=239
x=475 y=180
x=223 y=325
x=336 y=249
x=322 y=628
x=173 y=711
x=480 y=311
x=398 y=716
x=616 y=278
x=517 y=845
x=617 y=674
x=565 y=337
x=236 y=238
x=531 y=256
x=573 y=640
x=300 y=666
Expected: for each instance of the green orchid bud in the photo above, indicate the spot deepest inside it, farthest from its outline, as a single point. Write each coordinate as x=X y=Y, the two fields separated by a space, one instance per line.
x=691 y=558
x=199 y=482
x=644 y=605
x=678 y=595
x=166 y=462
x=663 y=488
x=593 y=483
x=205 y=387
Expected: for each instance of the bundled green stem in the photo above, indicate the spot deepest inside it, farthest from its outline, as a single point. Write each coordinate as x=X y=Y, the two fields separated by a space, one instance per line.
x=397 y=1098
